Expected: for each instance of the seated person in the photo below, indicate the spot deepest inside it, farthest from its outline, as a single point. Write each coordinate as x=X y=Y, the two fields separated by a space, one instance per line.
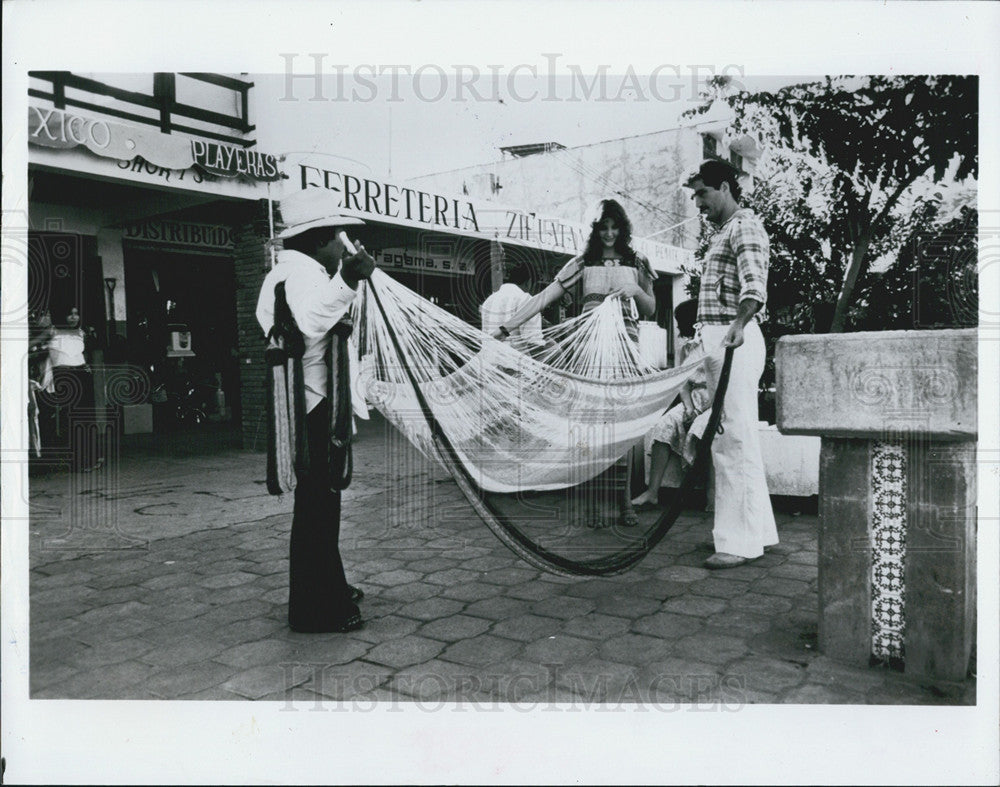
x=673 y=436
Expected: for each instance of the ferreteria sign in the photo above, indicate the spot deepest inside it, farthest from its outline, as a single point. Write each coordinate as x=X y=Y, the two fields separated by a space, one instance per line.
x=380 y=201
x=182 y=233
x=379 y=198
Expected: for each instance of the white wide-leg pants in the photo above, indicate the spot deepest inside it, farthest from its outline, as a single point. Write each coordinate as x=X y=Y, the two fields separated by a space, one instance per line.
x=744 y=521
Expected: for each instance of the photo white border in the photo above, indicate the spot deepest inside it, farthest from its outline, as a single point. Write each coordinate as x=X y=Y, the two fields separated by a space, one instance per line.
x=48 y=741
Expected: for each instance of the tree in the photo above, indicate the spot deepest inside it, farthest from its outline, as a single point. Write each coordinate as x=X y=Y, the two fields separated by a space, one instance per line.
x=857 y=147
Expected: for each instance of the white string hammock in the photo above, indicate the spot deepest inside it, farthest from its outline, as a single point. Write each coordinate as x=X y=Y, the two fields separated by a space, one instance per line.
x=519 y=417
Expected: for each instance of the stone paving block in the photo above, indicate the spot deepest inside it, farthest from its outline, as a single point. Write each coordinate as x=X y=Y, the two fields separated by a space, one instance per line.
x=411 y=591
x=177 y=681
x=683 y=573
x=165 y=581
x=275 y=595
x=827 y=672
x=676 y=674
x=739 y=622
x=806 y=557
x=667 y=625
x=56 y=595
x=455 y=627
x=491 y=562
x=405 y=651
x=624 y=605
x=816 y=694
x=452 y=576
x=257 y=682
x=531 y=591
x=109 y=652
x=106 y=682
x=658 y=589
x=186 y=650
x=498 y=608
x=238 y=610
x=509 y=681
x=114 y=613
x=472 y=591
x=251 y=590
x=97 y=633
x=425 y=565
x=799 y=571
x=790 y=644
x=527 y=628
x=597 y=681
x=394 y=577
x=257 y=653
x=75 y=578
x=437 y=680
x=768 y=674
x=776 y=586
x=431 y=608
x=596 y=626
x=514 y=575
x=481 y=651
x=383 y=629
x=758 y=602
x=563 y=607
x=719 y=587
x=698 y=606
x=229 y=580
x=711 y=647
x=48 y=673
x=635 y=649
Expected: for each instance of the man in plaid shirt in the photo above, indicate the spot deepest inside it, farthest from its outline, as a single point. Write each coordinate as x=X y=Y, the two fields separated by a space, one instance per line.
x=732 y=295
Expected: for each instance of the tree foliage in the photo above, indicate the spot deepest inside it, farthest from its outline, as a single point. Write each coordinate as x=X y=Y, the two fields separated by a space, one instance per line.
x=836 y=184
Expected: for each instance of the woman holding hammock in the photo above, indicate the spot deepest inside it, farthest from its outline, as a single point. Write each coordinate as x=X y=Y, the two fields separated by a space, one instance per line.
x=608 y=268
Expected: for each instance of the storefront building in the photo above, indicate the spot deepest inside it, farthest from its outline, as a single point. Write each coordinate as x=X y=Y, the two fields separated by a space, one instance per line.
x=140 y=189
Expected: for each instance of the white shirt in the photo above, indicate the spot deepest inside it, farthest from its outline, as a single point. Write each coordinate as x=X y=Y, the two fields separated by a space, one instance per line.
x=317 y=303
x=501 y=306
x=66 y=348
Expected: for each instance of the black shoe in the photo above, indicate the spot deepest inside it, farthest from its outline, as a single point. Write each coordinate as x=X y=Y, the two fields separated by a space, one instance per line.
x=353 y=623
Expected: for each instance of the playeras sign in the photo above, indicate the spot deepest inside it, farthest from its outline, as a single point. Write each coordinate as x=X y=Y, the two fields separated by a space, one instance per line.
x=229 y=162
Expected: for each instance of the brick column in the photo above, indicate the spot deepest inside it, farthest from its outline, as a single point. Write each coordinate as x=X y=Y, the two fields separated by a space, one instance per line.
x=896 y=411
x=252 y=264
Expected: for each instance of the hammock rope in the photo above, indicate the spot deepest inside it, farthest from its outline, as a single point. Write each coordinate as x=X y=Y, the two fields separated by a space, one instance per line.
x=509 y=534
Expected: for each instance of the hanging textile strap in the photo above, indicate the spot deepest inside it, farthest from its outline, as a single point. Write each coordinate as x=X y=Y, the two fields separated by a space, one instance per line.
x=284 y=396
x=341 y=462
x=519 y=543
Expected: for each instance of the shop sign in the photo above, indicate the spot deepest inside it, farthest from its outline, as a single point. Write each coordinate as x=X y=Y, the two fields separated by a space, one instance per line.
x=426 y=261
x=381 y=199
x=182 y=233
x=229 y=161
x=56 y=128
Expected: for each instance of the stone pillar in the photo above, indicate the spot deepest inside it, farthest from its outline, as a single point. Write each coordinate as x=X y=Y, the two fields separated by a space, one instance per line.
x=896 y=411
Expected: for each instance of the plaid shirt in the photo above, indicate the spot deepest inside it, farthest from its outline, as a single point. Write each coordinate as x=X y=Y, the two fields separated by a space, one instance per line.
x=734 y=268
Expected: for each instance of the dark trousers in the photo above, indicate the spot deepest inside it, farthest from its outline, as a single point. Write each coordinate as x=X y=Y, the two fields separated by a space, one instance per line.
x=318 y=594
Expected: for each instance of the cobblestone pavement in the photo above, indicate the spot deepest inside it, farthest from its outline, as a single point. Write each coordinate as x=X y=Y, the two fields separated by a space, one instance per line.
x=164 y=576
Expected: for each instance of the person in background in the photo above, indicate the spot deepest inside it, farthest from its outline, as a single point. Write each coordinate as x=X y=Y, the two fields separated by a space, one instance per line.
x=502 y=305
x=72 y=389
x=673 y=438
x=320 y=283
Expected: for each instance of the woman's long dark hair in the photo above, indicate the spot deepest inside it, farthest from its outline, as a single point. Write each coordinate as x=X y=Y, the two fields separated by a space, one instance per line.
x=610 y=209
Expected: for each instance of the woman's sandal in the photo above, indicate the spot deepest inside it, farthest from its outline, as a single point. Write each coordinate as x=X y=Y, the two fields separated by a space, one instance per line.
x=356 y=593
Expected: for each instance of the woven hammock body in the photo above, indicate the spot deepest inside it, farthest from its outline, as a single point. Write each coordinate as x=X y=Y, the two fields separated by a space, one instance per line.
x=519 y=418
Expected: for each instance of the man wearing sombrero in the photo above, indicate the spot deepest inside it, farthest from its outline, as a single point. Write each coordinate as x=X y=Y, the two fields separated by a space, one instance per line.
x=304 y=297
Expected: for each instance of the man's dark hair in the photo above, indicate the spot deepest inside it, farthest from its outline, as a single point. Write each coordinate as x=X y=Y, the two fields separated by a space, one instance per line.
x=307 y=242
x=714 y=172
x=519 y=273
x=685 y=314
